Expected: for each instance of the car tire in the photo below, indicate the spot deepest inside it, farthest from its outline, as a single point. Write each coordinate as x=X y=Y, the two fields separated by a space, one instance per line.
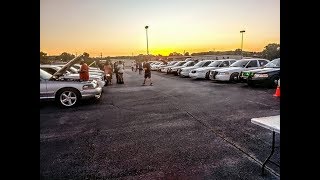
x=273 y=80
x=67 y=97
x=207 y=75
x=234 y=77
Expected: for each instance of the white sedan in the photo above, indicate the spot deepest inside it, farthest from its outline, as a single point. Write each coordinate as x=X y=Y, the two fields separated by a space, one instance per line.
x=185 y=71
x=232 y=73
x=176 y=69
x=203 y=72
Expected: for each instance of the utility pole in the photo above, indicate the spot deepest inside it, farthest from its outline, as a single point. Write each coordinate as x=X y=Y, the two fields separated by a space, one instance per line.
x=242 y=39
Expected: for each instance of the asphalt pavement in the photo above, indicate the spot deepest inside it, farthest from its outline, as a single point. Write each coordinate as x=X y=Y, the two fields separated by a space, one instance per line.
x=179 y=128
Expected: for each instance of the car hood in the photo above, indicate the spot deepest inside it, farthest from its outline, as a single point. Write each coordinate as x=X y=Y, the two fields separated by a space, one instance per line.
x=230 y=69
x=189 y=68
x=63 y=70
x=267 y=70
x=168 y=66
x=206 y=68
x=177 y=67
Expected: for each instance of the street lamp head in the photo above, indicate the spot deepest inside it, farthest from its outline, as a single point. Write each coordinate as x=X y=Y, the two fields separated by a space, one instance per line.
x=146 y=27
x=242 y=31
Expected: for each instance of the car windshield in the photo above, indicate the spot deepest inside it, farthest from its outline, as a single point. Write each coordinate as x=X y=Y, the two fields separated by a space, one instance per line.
x=273 y=64
x=180 y=63
x=240 y=63
x=215 y=64
x=200 y=63
x=44 y=75
x=187 y=63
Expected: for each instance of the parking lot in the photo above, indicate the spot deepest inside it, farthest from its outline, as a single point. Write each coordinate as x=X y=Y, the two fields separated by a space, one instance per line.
x=178 y=128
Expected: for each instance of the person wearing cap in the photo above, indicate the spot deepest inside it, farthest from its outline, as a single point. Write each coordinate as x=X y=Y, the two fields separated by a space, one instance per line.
x=84 y=71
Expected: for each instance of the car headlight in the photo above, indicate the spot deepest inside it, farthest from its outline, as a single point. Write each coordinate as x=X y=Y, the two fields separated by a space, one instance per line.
x=89 y=86
x=260 y=75
x=223 y=73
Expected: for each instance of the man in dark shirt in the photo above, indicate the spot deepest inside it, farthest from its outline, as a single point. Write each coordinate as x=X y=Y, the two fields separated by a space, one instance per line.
x=147 y=72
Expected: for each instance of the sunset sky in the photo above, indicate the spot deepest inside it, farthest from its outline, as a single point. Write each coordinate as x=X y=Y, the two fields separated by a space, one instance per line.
x=116 y=27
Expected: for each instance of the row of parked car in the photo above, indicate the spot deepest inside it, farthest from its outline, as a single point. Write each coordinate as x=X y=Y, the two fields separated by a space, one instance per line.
x=253 y=71
x=62 y=83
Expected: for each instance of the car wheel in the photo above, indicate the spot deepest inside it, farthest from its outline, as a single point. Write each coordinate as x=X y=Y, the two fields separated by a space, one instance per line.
x=274 y=81
x=67 y=97
x=234 y=77
x=207 y=75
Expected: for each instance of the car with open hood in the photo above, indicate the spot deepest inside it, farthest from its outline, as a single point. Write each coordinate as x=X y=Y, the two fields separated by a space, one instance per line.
x=267 y=76
x=203 y=72
x=69 y=74
x=185 y=71
x=67 y=92
x=233 y=72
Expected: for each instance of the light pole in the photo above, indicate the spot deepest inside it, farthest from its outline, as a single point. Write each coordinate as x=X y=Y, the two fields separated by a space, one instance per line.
x=242 y=39
x=147 y=38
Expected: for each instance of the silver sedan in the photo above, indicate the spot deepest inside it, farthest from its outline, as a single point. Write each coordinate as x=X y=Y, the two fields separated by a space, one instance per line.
x=67 y=93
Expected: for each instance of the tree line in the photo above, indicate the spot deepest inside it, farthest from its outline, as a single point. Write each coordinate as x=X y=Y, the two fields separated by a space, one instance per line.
x=271 y=51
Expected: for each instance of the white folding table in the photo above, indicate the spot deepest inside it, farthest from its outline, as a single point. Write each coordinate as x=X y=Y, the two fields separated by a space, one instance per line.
x=272 y=123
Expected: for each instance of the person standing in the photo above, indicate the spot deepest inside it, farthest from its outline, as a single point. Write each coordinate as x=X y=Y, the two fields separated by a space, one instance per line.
x=116 y=71
x=140 y=67
x=137 y=65
x=120 y=72
x=132 y=65
x=147 y=72
x=84 y=71
x=108 y=72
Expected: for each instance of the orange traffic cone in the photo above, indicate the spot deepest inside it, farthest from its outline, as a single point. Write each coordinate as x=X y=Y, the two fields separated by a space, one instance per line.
x=277 y=94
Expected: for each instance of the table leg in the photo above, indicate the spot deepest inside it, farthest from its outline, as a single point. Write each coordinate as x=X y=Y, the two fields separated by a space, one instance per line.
x=272 y=151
